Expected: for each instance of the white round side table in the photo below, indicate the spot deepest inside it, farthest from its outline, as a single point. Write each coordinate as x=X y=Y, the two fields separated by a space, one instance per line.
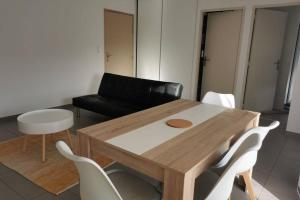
x=43 y=122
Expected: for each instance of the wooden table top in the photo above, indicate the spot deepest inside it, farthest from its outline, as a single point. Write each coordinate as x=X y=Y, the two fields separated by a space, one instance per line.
x=195 y=150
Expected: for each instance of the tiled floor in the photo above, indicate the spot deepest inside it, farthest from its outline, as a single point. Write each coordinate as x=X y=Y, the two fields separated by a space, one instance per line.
x=278 y=167
x=275 y=174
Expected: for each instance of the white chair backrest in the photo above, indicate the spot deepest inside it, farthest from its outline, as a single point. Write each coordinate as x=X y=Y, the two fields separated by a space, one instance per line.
x=225 y=100
x=223 y=187
x=94 y=183
x=252 y=138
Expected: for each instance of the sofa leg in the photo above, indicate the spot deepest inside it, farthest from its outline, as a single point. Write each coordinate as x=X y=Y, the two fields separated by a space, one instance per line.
x=77 y=112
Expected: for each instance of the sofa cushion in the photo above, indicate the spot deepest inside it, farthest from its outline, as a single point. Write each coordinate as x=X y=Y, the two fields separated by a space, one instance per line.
x=161 y=93
x=105 y=106
x=141 y=92
x=121 y=95
x=124 y=88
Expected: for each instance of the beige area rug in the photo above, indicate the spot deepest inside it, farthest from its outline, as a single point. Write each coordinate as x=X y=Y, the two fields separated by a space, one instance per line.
x=55 y=175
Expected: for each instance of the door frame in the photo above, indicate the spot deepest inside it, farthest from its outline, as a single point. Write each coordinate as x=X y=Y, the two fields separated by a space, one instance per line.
x=247 y=29
x=292 y=71
x=274 y=5
x=202 y=56
x=249 y=59
x=202 y=45
x=134 y=37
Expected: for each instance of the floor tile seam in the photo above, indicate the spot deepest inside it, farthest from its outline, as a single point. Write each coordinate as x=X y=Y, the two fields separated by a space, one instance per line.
x=273 y=167
x=11 y=188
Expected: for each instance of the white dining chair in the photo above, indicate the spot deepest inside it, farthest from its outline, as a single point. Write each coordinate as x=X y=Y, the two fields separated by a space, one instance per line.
x=225 y=100
x=210 y=186
x=252 y=138
x=95 y=184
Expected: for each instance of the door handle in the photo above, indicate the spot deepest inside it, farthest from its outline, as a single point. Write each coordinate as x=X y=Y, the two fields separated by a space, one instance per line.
x=205 y=60
x=107 y=56
x=277 y=64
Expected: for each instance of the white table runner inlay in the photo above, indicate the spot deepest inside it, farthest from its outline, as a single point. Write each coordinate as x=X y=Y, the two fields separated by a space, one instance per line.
x=150 y=136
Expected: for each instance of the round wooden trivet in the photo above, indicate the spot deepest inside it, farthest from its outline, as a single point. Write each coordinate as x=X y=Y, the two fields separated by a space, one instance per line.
x=179 y=123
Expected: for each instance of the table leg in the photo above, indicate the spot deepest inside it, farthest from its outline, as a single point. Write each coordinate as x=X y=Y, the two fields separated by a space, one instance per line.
x=43 y=148
x=178 y=186
x=69 y=138
x=84 y=145
x=25 y=143
x=256 y=121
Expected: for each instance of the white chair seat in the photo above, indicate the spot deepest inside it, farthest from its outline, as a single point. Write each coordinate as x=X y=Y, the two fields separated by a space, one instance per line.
x=119 y=167
x=132 y=187
x=205 y=183
x=225 y=100
x=95 y=184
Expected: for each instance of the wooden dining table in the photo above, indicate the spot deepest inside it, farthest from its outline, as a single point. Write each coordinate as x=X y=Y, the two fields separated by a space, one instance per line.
x=175 y=156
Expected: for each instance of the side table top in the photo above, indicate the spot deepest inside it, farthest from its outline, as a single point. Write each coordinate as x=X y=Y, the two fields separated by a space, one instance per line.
x=45 y=121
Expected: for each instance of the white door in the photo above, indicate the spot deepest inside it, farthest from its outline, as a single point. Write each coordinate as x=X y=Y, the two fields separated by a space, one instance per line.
x=267 y=43
x=118 y=42
x=221 y=51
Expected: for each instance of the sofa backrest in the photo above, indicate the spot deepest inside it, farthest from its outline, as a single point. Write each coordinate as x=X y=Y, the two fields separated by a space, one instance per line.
x=141 y=92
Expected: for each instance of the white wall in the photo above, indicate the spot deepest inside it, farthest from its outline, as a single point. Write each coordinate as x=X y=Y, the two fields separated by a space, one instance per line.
x=295 y=67
x=51 y=51
x=178 y=34
x=249 y=10
x=294 y=116
x=149 y=38
x=181 y=33
x=165 y=40
x=288 y=51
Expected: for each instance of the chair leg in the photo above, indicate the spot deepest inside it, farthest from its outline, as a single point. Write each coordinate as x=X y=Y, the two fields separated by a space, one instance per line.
x=25 y=143
x=249 y=186
x=43 y=148
x=69 y=138
x=77 y=110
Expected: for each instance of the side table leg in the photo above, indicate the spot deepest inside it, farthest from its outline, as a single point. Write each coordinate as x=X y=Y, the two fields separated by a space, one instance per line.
x=70 y=138
x=43 y=148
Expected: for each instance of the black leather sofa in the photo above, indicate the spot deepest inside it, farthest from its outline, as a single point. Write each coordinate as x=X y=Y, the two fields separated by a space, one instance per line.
x=120 y=95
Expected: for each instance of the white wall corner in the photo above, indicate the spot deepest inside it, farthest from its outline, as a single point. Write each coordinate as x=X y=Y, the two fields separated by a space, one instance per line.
x=293 y=124
x=243 y=62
